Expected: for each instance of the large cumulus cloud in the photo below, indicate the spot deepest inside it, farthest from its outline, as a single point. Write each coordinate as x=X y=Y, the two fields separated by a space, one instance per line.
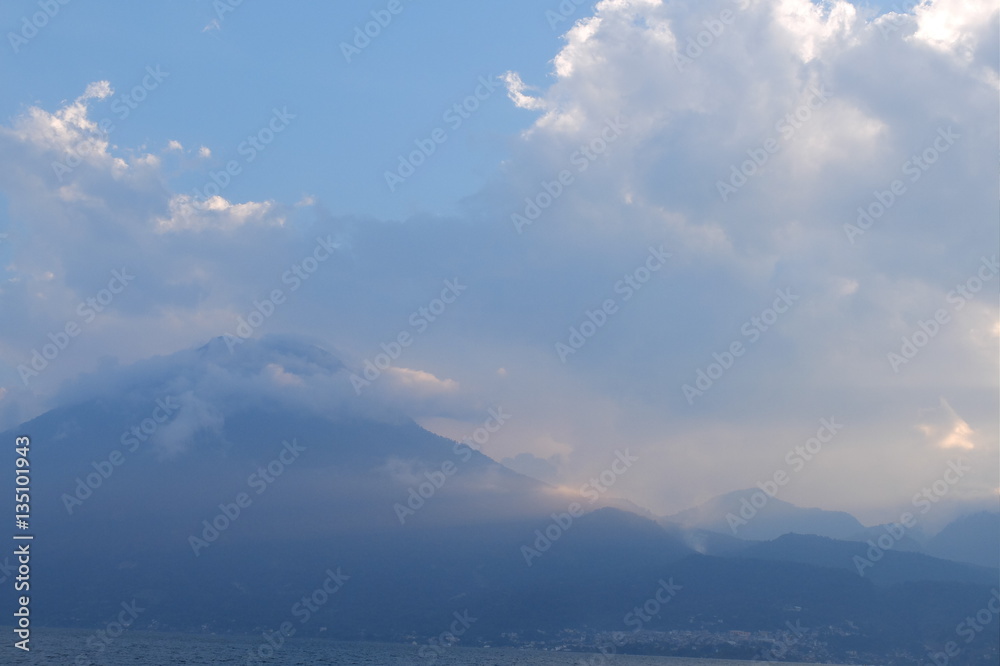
x=651 y=108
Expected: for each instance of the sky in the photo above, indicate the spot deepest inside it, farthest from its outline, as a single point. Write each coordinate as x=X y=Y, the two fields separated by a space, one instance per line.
x=699 y=231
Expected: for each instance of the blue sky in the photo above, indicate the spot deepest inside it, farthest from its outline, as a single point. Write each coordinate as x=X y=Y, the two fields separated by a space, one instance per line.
x=832 y=100
x=353 y=118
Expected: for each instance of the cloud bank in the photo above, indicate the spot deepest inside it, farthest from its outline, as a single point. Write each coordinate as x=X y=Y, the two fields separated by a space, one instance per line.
x=817 y=150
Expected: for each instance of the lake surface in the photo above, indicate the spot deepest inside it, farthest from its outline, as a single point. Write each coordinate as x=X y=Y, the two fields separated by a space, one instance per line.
x=69 y=647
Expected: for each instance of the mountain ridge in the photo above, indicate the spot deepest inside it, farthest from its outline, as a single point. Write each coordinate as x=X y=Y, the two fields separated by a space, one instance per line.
x=252 y=497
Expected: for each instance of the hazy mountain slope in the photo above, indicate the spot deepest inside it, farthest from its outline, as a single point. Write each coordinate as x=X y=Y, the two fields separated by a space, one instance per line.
x=736 y=514
x=883 y=567
x=158 y=524
x=974 y=538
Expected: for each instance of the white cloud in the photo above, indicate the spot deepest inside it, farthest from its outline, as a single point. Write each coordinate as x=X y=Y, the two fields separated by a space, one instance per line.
x=515 y=90
x=421 y=381
x=189 y=214
x=687 y=127
x=282 y=377
x=956 y=26
x=945 y=429
x=816 y=26
x=194 y=416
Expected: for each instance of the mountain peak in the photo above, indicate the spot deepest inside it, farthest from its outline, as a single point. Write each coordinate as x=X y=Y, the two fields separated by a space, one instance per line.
x=304 y=355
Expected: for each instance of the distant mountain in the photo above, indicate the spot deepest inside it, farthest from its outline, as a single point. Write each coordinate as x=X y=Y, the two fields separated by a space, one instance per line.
x=751 y=514
x=218 y=489
x=868 y=560
x=911 y=541
x=169 y=440
x=974 y=538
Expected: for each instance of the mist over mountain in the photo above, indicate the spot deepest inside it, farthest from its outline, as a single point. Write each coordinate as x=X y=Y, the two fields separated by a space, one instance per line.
x=653 y=327
x=198 y=428
x=218 y=487
x=974 y=538
x=755 y=515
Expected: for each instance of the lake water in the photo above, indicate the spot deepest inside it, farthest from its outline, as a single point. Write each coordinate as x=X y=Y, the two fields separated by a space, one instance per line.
x=65 y=647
